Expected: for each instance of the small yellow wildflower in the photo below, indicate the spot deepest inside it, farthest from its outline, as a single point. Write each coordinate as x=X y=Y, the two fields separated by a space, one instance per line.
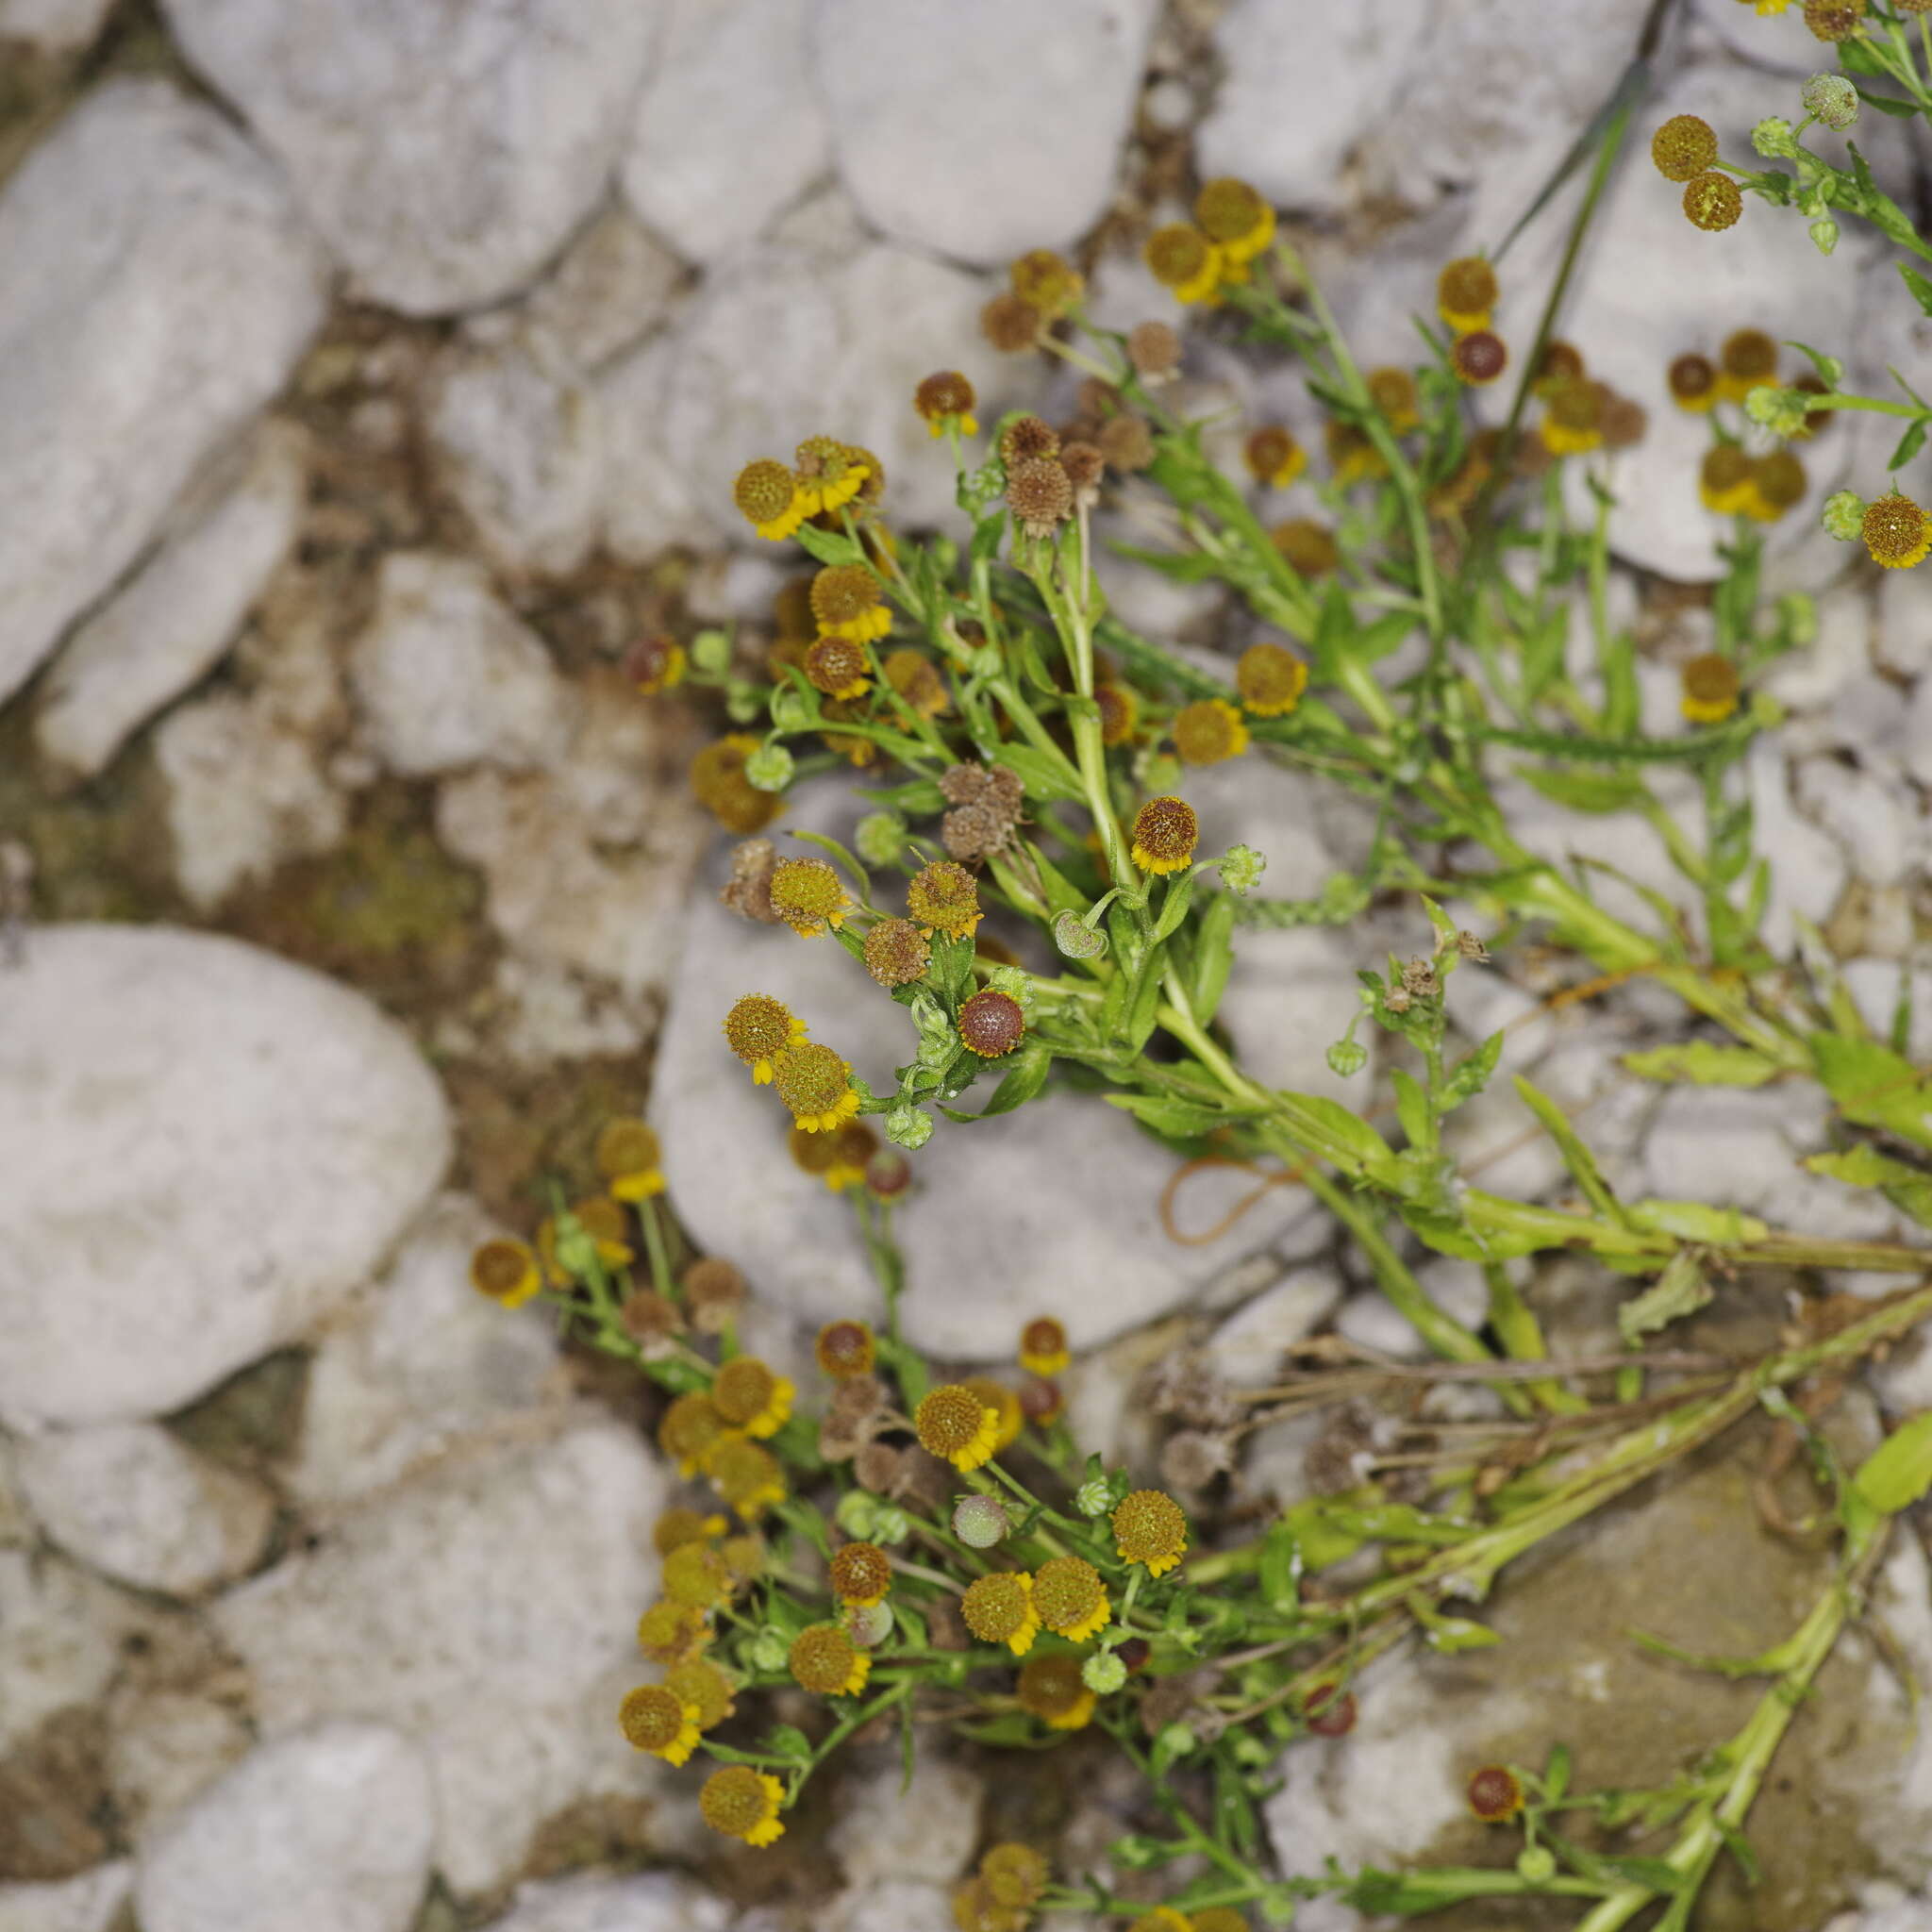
x=815 y=1084
x=1308 y=545
x=945 y=897
x=1071 y=1598
x=655 y=1720
x=1044 y=1349
x=1208 y=731
x=838 y=1160
x=1896 y=531
x=691 y=1431
x=1185 y=262
x=670 y=1633
x=1005 y=1404
x=912 y=675
x=1236 y=220
x=838 y=667
x=627 y=1158
x=1684 y=146
x=1495 y=1794
x=1015 y=1875
x=992 y=1023
x=767 y=495
x=738 y=1802
x=1119 y=713
x=860 y=1573
x=829 y=474
x=1777 y=482
x=704 y=1687
x=1693 y=382
x=696 y=1574
x=1274 y=457
x=845 y=1349
x=1163 y=1919
x=1150 y=1527
x=746 y=1474
x=945 y=401
x=999 y=1610
x=655 y=664
x=846 y=602
x=1572 y=417
x=1395 y=394
x=1466 y=293
x=750 y=1396
x=1710 y=688
x=806 y=895
x=1045 y=280
x=1050 y=1688
x=897 y=952
x=718 y=781
x=1352 y=456
x=1270 y=680
x=1165 y=833
x=1712 y=201
x=758 y=1029
x=827 y=1661
x=1723 y=480
x=506 y=1272
x=679 y=1525
x=1748 y=357
x=952 y=1422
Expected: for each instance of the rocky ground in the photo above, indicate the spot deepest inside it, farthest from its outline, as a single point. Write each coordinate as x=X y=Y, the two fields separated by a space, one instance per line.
x=371 y=375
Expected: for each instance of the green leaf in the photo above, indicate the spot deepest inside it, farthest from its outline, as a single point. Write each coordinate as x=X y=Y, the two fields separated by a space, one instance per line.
x=1556 y=1773
x=1599 y=791
x=1739 y=1848
x=1412 y=1109
x=1213 y=955
x=1681 y=1289
x=1024 y=1079
x=1382 y=636
x=1693 y=1221
x=1173 y=905
x=1873 y=1085
x=1470 y=1074
x=1888 y=104
x=1917 y=283
x=1703 y=1063
x=829 y=546
x=1280 y=1568
x=1908 y=1187
x=1577 y=1157
x=1899 y=1472
x=1831 y=371
x=1176 y=1119
x=1045 y=777
x=1908 y=446
x=1352 y=1144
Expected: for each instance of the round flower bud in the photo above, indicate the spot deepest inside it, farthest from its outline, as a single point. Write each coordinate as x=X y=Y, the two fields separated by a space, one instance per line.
x=991 y=1024
x=1011 y=326
x=1780 y=410
x=1832 y=99
x=1536 y=1864
x=980 y=1522
x=1075 y=939
x=718 y=781
x=1306 y=544
x=879 y=837
x=714 y=1293
x=1154 y=350
x=1843 y=516
x=1773 y=139
x=909 y=1128
x=857 y=1515
x=1093 y=1498
x=1241 y=868
x=769 y=768
x=1495 y=1794
x=1712 y=201
x=1015 y=1875
x=1683 y=146
x=897 y=952
x=1824 y=234
x=1027 y=440
x=1103 y=1672
x=845 y=1349
x=767 y=1651
x=1126 y=442
x=1478 y=358
x=945 y=394
x=1346 y=1058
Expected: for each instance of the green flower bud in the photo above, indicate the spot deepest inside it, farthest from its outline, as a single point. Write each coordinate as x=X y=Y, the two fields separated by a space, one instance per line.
x=1175 y=1741
x=985 y=662
x=909 y=1128
x=742 y=702
x=1345 y=1058
x=1772 y=137
x=1844 y=515
x=576 y=1248
x=1103 y=1673
x=1781 y=410
x=767 y=1651
x=790 y=711
x=867 y=1625
x=710 y=651
x=1015 y=983
x=888 y=1526
x=1159 y=772
x=1823 y=233
x=980 y=1522
x=1076 y=939
x=857 y=1515
x=1241 y=868
x=1832 y=99
x=880 y=836
x=1094 y=1498
x=769 y=768
x=1537 y=1863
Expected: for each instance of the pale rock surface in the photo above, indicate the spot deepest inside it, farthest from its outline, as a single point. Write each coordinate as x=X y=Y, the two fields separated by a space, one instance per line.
x=173 y=620
x=1877 y=825
x=159 y=288
x=245 y=794
x=613 y=285
x=1901 y=632
x=87 y=1903
x=785 y=342
x=518 y=440
x=161 y=1092
x=16 y=1525
x=332 y=1826
x=416 y=1364
x=587 y=865
x=551 y=1014
x=730 y=128
x=1249 y=1348
x=887 y=1830
x=61 y=1630
x=445 y=152
x=645 y=1902
x=981 y=131
x=54 y=27
x=1839 y=657
x=488 y=1610
x=1808 y=867
x=448 y=675
x=1919 y=732
x=166 y=1747
x=898 y=1905
x=137 y=1505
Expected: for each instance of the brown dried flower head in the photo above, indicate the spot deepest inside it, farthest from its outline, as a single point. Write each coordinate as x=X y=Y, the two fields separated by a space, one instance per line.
x=1712 y=201
x=1683 y=146
x=1040 y=496
x=992 y=1023
x=1046 y=282
x=714 y=1293
x=1011 y=326
x=1025 y=439
x=1154 y=350
x=897 y=952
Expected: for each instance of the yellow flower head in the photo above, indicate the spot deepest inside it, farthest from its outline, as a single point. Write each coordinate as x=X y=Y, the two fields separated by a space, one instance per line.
x=679 y=1525
x=654 y=1718
x=945 y=401
x=1352 y=456
x=1165 y=834
x=1495 y=1794
x=758 y=1029
x=1723 y=480
x=830 y=474
x=1557 y=368
x=1466 y=293
x=815 y=1084
x=506 y=1272
x=628 y=1159
x=1710 y=688
x=838 y=1160
x=827 y=1661
x=1748 y=357
x=1046 y=282
x=846 y=602
x=1119 y=713
x=768 y=497
x=838 y=667
x=806 y=895
x=1208 y=731
x=1834 y=20
x=1778 y=481
x=1071 y=1598
x=654 y=664
x=1184 y=261
x=1896 y=531
x=670 y=1633
x=703 y=1688
x=1572 y=417
x=746 y=1474
x=751 y=1397
x=1478 y=358
x=1011 y=326
x=1044 y=1349
x=602 y=1221
x=1712 y=201
x=1149 y=1527
x=953 y=1423
x=692 y=1430
x=1274 y=457
x=1015 y=1875
x=912 y=675
x=999 y=1610
x=897 y=952
x=860 y=1573
x=1394 y=393
x=1693 y=382
x=738 y=1802
x=1684 y=146
x=718 y=780
x=1052 y=1689
x=1005 y=1404
x=1163 y=1919
x=1218 y=1919
x=845 y=1349
x=943 y=897
x=975 y=1909
x=992 y=1023
x=714 y=1292
x=1270 y=680
x=696 y=1574
x=1235 y=219
x=1306 y=544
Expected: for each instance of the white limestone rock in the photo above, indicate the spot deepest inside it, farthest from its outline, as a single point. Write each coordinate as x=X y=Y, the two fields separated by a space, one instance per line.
x=61 y=1631
x=173 y=620
x=447 y=676
x=331 y=1826
x=980 y=131
x=158 y=288
x=611 y=286
x=445 y=152
x=54 y=27
x=137 y=1505
x=644 y=1902
x=89 y=1903
x=208 y=1147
